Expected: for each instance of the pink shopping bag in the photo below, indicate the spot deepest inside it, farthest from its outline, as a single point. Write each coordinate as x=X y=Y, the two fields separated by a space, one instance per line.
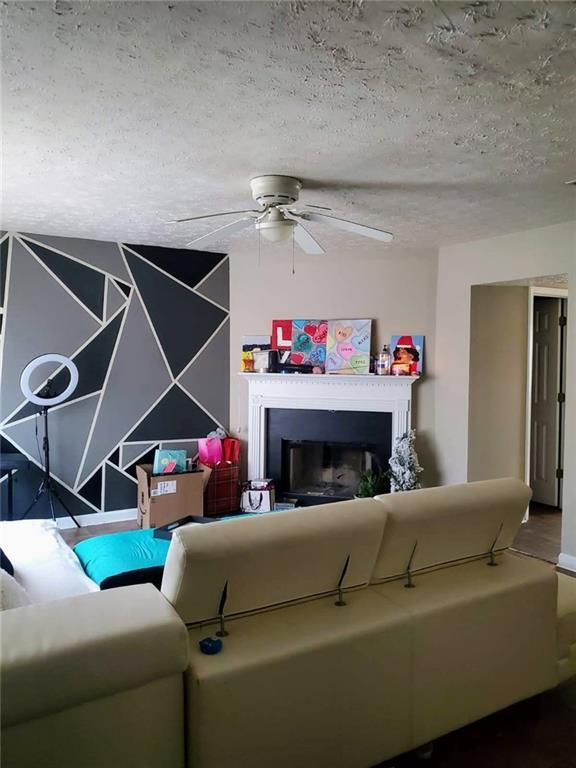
x=210 y=450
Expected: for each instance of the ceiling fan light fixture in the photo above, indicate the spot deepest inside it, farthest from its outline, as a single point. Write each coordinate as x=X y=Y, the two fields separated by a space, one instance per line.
x=276 y=220
x=275 y=231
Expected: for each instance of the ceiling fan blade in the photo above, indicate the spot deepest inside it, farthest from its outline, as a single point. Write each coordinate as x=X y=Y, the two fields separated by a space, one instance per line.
x=209 y=216
x=306 y=241
x=226 y=229
x=320 y=207
x=349 y=226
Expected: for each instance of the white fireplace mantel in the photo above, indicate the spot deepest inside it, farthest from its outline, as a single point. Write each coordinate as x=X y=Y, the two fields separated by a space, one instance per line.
x=382 y=394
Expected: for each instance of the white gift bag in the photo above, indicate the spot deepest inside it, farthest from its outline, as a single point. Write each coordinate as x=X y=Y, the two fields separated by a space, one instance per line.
x=257 y=500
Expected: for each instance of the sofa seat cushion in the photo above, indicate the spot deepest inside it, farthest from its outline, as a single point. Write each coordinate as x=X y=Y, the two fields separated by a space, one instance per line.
x=566 y=615
x=483 y=638
x=71 y=651
x=121 y=559
x=305 y=685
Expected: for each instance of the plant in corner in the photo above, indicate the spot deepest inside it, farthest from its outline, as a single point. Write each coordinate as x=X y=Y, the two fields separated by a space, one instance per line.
x=372 y=483
x=404 y=465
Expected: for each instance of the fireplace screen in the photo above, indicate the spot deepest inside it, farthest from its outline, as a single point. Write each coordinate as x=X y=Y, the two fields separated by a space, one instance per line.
x=322 y=469
x=317 y=456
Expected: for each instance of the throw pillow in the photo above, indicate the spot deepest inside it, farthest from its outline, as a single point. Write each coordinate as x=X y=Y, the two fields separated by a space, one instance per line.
x=12 y=594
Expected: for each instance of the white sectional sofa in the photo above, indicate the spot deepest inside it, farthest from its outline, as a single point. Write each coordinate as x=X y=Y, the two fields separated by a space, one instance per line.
x=117 y=678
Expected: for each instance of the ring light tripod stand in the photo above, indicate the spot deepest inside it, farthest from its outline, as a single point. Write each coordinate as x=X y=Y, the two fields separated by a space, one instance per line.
x=46 y=398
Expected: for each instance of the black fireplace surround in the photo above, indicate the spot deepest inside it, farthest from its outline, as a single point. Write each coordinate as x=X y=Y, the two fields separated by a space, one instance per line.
x=316 y=456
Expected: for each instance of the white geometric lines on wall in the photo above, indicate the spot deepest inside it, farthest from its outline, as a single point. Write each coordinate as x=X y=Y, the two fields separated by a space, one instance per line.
x=32 y=456
x=207 y=379
x=223 y=324
x=85 y=284
x=142 y=339
x=146 y=312
x=136 y=378
x=216 y=286
x=176 y=416
x=41 y=317
x=114 y=299
x=188 y=310
x=69 y=427
x=91 y=358
x=101 y=255
x=202 y=407
x=131 y=453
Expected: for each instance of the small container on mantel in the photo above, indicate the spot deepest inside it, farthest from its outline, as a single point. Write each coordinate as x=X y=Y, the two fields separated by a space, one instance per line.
x=383 y=361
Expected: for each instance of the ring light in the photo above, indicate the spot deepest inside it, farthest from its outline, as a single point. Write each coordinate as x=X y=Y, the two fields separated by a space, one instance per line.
x=36 y=363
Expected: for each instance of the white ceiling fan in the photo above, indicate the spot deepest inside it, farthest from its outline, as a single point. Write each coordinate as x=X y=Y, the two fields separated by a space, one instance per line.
x=277 y=218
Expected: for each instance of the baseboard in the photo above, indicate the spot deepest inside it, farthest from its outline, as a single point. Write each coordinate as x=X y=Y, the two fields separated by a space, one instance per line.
x=99 y=518
x=567 y=561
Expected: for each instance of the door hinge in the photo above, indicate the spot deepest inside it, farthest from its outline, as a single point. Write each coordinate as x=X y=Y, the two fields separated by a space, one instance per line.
x=562 y=321
x=559 y=474
x=561 y=397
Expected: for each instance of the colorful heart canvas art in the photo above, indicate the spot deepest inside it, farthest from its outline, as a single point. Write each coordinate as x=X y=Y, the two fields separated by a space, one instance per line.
x=309 y=342
x=348 y=346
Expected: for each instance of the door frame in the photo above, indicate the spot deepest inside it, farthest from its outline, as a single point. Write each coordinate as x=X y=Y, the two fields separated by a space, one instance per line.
x=533 y=291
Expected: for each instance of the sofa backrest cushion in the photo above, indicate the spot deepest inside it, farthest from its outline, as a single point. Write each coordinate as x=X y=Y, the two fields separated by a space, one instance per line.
x=271 y=559
x=449 y=524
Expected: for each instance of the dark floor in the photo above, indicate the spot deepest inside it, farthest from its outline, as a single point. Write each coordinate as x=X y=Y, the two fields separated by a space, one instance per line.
x=540 y=536
x=73 y=535
x=537 y=733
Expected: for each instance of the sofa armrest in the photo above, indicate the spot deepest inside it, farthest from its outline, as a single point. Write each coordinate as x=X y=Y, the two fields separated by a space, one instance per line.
x=61 y=654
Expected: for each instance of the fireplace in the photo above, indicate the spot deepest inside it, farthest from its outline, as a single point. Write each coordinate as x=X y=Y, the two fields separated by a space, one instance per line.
x=317 y=456
x=361 y=416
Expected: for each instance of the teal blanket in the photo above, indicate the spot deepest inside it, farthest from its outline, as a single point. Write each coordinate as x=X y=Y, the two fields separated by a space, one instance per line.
x=120 y=559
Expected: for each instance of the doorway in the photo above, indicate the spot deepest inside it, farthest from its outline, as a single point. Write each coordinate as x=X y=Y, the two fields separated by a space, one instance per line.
x=546 y=396
x=518 y=335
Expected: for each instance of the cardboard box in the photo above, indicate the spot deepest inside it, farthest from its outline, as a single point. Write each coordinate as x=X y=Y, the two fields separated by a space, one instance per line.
x=163 y=499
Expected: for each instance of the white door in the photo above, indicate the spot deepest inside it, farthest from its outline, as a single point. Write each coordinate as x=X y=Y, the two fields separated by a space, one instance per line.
x=545 y=433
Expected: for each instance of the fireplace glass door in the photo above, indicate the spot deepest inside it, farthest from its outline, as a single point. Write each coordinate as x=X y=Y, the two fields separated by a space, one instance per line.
x=316 y=457
x=320 y=469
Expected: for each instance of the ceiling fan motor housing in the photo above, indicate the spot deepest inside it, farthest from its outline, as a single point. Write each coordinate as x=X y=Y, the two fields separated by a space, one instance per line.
x=275 y=190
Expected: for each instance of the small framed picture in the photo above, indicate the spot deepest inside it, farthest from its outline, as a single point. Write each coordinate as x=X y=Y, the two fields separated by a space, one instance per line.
x=407 y=355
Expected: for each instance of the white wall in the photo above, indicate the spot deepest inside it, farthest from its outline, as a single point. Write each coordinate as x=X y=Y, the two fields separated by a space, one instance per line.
x=397 y=288
x=544 y=251
x=498 y=364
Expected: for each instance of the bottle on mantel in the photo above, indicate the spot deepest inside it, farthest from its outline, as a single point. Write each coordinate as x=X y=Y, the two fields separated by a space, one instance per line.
x=384 y=361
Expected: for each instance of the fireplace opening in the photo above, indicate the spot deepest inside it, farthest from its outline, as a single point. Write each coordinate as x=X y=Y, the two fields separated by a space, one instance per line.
x=318 y=468
x=317 y=456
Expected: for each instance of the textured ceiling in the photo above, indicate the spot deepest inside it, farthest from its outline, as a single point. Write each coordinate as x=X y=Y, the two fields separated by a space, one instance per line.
x=438 y=121
x=546 y=281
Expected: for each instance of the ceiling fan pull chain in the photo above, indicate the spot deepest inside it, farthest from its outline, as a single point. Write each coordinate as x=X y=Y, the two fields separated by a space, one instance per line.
x=259 y=247
x=293 y=258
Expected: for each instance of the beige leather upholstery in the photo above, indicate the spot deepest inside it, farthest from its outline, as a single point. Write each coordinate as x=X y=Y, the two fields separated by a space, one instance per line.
x=271 y=559
x=61 y=654
x=141 y=727
x=97 y=680
x=566 y=626
x=307 y=685
x=481 y=637
x=449 y=524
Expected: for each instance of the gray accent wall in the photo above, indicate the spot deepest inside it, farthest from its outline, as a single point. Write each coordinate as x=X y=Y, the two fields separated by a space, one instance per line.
x=138 y=382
